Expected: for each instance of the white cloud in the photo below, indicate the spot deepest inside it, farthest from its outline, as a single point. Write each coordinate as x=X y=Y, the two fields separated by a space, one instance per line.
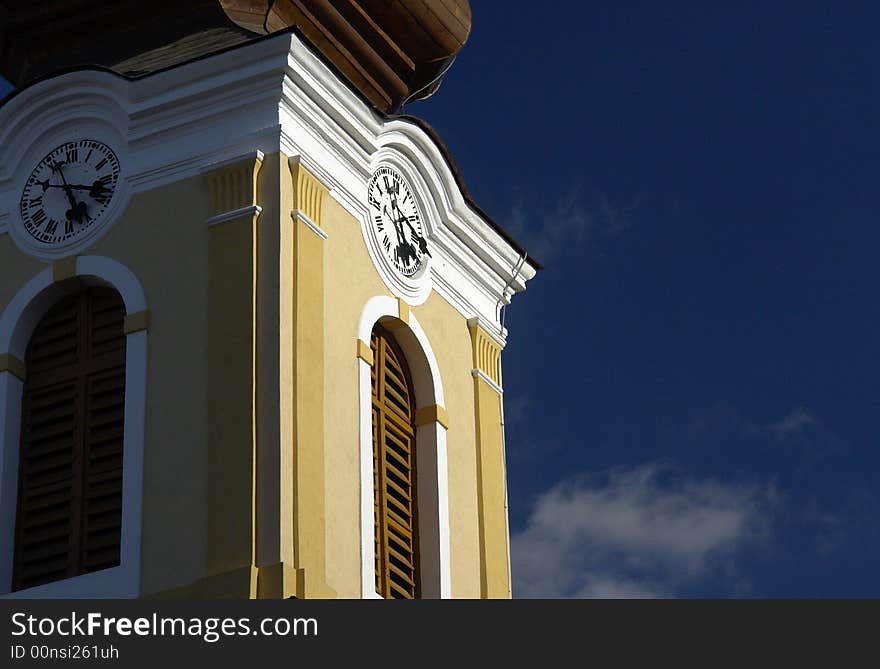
x=793 y=423
x=569 y=222
x=641 y=532
x=603 y=586
x=727 y=419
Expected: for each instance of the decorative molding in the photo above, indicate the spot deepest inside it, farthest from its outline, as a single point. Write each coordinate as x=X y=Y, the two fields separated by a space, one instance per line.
x=489 y=330
x=298 y=215
x=13 y=365
x=365 y=353
x=136 y=322
x=308 y=191
x=487 y=352
x=232 y=161
x=272 y=95
x=64 y=269
x=251 y=211
x=198 y=159
x=432 y=414
x=233 y=186
x=478 y=374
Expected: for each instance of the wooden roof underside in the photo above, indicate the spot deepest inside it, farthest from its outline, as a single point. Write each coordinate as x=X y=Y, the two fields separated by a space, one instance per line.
x=391 y=51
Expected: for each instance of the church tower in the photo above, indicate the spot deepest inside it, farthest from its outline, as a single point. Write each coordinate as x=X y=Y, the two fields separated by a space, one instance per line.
x=250 y=332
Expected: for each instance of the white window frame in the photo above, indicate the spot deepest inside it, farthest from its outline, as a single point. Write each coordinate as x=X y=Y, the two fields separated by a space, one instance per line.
x=432 y=483
x=17 y=324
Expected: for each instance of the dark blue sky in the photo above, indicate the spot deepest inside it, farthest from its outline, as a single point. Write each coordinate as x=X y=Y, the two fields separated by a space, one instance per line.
x=692 y=383
x=699 y=360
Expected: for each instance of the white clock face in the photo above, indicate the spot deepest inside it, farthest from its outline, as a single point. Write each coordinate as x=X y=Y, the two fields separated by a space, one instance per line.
x=396 y=222
x=67 y=193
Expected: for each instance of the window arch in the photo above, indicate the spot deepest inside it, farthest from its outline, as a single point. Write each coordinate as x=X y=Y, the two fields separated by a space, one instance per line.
x=428 y=404
x=18 y=322
x=69 y=502
x=395 y=507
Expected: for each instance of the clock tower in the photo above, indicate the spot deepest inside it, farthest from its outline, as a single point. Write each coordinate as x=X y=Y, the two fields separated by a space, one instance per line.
x=250 y=317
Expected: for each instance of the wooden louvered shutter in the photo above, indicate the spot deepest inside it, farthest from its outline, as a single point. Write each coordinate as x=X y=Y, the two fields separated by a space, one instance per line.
x=69 y=515
x=394 y=471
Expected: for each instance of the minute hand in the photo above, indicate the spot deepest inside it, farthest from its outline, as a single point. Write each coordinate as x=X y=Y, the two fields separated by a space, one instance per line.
x=56 y=167
x=74 y=186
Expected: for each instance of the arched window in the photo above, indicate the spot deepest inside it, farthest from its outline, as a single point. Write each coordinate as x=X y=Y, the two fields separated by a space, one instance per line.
x=394 y=471
x=69 y=511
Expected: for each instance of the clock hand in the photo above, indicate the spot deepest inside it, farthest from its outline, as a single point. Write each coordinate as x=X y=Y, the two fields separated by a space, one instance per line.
x=78 y=210
x=400 y=216
x=422 y=242
x=56 y=167
x=98 y=186
x=397 y=228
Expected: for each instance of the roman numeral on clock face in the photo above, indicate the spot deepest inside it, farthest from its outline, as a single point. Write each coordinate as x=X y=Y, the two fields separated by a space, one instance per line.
x=67 y=193
x=397 y=224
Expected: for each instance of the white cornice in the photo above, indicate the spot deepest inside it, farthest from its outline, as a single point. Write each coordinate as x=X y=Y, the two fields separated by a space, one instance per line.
x=255 y=155
x=274 y=94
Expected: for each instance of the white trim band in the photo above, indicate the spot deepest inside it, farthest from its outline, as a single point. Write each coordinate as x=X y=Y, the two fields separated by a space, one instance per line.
x=242 y=212
x=480 y=374
x=298 y=215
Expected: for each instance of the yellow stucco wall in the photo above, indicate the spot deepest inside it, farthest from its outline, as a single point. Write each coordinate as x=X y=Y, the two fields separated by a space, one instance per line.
x=350 y=281
x=348 y=286
x=164 y=240
x=15 y=269
x=447 y=331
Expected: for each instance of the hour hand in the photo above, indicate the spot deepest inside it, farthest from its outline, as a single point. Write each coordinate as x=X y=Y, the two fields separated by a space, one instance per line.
x=421 y=241
x=68 y=191
x=78 y=212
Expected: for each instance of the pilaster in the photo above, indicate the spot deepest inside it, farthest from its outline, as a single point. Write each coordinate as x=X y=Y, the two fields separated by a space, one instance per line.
x=231 y=383
x=303 y=493
x=491 y=478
